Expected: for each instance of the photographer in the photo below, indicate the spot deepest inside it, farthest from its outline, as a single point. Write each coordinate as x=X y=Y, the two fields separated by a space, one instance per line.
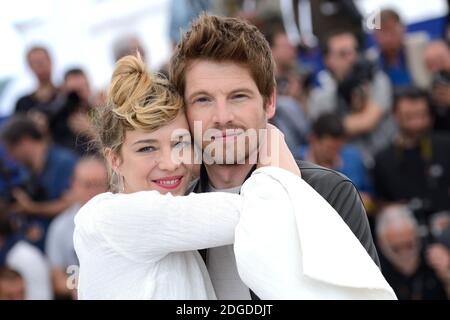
x=69 y=123
x=49 y=171
x=356 y=90
x=411 y=266
x=437 y=60
x=415 y=168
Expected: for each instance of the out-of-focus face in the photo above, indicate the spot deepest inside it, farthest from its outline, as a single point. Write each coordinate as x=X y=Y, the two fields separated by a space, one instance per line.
x=342 y=54
x=79 y=84
x=390 y=37
x=159 y=160
x=90 y=179
x=413 y=117
x=12 y=289
x=437 y=57
x=326 y=150
x=284 y=53
x=40 y=64
x=22 y=151
x=223 y=101
x=401 y=242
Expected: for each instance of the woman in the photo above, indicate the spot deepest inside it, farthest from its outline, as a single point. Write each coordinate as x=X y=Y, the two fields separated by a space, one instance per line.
x=141 y=242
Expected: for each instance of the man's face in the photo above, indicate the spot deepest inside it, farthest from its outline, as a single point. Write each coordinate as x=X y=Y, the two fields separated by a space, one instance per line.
x=413 y=117
x=342 y=54
x=326 y=149
x=12 y=289
x=90 y=179
x=284 y=53
x=401 y=243
x=437 y=58
x=22 y=151
x=40 y=64
x=78 y=83
x=224 y=101
x=390 y=36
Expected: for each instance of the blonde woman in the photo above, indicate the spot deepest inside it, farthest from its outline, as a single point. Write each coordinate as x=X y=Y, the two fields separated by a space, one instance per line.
x=140 y=241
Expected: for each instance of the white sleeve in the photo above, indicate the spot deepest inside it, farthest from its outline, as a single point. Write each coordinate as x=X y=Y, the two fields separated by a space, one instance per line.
x=291 y=244
x=147 y=225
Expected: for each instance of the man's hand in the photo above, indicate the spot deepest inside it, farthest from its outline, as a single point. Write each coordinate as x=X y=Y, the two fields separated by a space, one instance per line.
x=24 y=203
x=438 y=256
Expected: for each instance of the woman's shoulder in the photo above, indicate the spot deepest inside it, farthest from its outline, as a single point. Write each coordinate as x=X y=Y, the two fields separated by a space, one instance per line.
x=92 y=209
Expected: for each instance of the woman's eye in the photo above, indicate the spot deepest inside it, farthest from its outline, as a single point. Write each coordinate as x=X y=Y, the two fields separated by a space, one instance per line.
x=147 y=149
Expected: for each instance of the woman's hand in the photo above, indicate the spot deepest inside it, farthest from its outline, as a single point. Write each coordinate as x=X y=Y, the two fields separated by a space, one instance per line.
x=273 y=151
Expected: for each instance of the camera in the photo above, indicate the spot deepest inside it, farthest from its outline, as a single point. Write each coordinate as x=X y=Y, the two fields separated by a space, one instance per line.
x=441 y=78
x=361 y=74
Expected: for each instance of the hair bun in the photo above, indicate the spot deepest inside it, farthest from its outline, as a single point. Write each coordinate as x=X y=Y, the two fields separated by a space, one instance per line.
x=129 y=85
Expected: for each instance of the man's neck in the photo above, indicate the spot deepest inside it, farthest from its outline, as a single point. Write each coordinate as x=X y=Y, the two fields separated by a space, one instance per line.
x=311 y=156
x=227 y=176
x=392 y=57
x=407 y=142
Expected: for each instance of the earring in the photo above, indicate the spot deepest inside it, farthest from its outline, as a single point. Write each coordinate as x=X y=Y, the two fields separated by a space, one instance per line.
x=122 y=182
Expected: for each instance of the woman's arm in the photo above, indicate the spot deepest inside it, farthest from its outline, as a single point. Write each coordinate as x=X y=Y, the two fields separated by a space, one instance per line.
x=145 y=225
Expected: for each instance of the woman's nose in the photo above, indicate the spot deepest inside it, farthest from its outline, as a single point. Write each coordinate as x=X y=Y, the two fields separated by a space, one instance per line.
x=168 y=161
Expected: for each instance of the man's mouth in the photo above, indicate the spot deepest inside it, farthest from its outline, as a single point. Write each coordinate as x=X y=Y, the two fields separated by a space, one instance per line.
x=229 y=134
x=169 y=182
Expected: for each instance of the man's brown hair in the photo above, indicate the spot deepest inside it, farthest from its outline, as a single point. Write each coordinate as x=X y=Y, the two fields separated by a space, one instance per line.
x=224 y=39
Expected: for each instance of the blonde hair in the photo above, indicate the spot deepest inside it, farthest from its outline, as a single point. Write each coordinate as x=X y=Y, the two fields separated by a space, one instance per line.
x=137 y=100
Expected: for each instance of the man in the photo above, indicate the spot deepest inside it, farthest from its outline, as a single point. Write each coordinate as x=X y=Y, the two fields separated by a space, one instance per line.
x=410 y=268
x=292 y=88
x=224 y=69
x=328 y=148
x=415 y=167
x=49 y=170
x=437 y=60
x=90 y=178
x=400 y=55
x=12 y=285
x=69 y=124
x=40 y=63
x=19 y=255
x=358 y=91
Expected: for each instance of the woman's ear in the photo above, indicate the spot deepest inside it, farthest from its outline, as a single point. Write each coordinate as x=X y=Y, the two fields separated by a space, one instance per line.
x=113 y=160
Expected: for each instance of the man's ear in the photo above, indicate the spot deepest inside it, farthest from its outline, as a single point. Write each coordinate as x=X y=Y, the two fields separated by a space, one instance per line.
x=271 y=105
x=113 y=160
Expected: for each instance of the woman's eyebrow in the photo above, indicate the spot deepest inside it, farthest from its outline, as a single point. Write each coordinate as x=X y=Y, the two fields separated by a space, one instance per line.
x=145 y=141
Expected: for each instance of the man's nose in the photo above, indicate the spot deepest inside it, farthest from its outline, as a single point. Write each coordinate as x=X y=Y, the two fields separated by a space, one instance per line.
x=223 y=114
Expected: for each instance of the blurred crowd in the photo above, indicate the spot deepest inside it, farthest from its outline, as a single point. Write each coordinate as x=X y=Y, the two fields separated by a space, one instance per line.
x=373 y=105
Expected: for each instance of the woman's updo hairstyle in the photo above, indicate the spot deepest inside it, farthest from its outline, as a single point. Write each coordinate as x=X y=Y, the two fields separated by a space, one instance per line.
x=136 y=100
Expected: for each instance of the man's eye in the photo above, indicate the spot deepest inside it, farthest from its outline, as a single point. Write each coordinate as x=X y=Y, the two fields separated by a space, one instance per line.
x=182 y=144
x=202 y=100
x=239 y=97
x=147 y=149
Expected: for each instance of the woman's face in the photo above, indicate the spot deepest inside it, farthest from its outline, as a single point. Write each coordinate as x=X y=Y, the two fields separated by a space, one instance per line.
x=159 y=160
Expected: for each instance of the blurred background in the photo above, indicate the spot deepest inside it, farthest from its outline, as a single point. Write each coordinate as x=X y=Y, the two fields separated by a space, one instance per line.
x=363 y=88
